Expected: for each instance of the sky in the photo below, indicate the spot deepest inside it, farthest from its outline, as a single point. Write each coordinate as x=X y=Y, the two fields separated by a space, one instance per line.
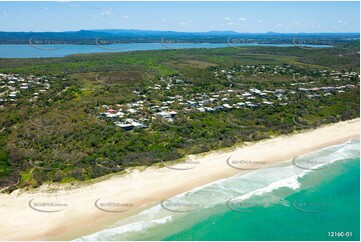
x=248 y=17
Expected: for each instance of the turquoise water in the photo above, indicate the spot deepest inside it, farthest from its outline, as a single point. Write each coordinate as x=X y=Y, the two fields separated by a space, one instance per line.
x=279 y=203
x=36 y=51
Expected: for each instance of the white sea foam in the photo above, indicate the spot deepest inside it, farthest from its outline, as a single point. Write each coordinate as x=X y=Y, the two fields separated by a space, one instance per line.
x=291 y=182
x=241 y=187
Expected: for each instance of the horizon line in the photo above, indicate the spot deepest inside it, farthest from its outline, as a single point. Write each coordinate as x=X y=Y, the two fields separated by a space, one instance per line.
x=195 y=32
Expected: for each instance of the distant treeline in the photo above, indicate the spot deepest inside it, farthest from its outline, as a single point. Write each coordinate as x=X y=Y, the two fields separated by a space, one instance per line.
x=89 y=37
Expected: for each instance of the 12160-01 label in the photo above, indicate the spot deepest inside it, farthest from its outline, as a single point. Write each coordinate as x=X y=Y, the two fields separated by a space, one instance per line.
x=339 y=234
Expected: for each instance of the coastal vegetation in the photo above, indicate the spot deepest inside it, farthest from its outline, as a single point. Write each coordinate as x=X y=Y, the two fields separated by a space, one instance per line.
x=76 y=127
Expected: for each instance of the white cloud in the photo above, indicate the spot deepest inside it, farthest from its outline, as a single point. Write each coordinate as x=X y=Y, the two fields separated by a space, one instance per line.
x=259 y=21
x=188 y=23
x=340 y=21
x=230 y=23
x=242 y=19
x=106 y=12
x=227 y=18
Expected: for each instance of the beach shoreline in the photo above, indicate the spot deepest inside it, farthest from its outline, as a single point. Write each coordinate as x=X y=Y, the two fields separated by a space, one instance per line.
x=140 y=188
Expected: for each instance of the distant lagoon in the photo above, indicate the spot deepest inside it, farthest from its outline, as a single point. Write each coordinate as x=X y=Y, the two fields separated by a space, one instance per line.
x=38 y=51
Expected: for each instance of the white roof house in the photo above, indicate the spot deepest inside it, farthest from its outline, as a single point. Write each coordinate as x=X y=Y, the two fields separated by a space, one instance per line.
x=226 y=105
x=166 y=114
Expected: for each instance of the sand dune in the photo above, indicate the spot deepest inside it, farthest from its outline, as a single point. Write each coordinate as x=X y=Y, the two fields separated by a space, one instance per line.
x=70 y=213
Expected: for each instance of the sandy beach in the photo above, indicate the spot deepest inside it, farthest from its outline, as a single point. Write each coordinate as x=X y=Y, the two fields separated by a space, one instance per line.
x=64 y=213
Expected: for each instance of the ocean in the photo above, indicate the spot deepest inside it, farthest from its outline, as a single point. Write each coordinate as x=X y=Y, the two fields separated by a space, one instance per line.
x=316 y=197
x=42 y=51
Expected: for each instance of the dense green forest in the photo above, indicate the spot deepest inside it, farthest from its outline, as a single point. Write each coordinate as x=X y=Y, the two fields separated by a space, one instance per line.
x=59 y=137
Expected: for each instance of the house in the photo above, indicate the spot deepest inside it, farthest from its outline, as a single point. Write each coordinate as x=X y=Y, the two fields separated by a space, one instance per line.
x=124 y=126
x=111 y=111
x=173 y=113
x=110 y=115
x=131 y=105
x=209 y=109
x=129 y=120
x=254 y=90
x=138 y=124
x=241 y=104
x=201 y=103
x=178 y=96
x=251 y=105
x=328 y=88
x=191 y=103
x=167 y=115
x=312 y=96
x=226 y=105
x=132 y=111
x=314 y=89
x=218 y=107
x=201 y=109
x=155 y=107
x=120 y=114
